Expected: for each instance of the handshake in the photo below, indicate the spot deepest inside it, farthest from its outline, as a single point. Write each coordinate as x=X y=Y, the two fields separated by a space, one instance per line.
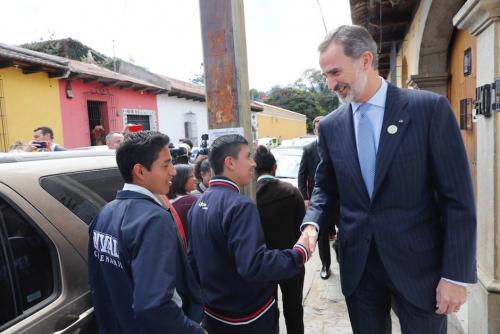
x=308 y=240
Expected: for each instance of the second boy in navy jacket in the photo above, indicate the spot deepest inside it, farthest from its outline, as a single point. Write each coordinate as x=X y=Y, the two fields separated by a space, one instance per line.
x=228 y=251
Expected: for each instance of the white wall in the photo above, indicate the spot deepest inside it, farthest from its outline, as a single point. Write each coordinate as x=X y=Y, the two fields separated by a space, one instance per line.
x=174 y=111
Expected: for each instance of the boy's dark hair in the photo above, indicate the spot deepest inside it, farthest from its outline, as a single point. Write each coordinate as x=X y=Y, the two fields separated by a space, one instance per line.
x=222 y=147
x=140 y=147
x=183 y=172
x=264 y=159
x=45 y=130
x=201 y=166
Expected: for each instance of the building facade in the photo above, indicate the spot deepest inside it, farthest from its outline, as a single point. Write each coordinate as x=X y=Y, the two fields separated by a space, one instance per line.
x=29 y=95
x=95 y=100
x=279 y=123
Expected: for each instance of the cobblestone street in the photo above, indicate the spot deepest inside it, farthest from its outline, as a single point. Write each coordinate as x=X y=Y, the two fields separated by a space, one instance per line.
x=325 y=311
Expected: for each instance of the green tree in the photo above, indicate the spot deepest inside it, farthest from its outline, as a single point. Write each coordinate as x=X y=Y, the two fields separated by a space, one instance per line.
x=313 y=81
x=199 y=78
x=298 y=100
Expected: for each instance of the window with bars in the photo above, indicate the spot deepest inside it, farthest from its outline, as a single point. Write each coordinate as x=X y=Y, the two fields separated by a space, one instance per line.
x=466 y=114
x=468 y=62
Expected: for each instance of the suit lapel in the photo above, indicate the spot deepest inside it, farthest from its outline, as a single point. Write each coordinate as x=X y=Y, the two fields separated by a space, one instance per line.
x=396 y=117
x=350 y=152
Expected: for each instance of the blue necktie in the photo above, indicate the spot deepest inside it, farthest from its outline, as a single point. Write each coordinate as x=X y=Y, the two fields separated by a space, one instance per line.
x=365 y=142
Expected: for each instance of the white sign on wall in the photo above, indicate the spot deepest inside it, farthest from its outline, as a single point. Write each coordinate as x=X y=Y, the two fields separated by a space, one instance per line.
x=213 y=134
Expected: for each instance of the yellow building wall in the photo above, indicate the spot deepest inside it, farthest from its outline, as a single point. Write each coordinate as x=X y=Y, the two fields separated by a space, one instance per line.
x=273 y=126
x=29 y=101
x=407 y=57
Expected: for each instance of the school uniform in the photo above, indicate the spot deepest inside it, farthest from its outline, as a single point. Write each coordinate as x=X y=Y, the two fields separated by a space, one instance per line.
x=228 y=253
x=138 y=271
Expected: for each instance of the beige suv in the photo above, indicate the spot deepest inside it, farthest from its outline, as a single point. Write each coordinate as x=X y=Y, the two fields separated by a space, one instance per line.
x=45 y=208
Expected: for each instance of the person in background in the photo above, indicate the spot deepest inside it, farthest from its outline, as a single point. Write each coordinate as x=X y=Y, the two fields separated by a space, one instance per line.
x=179 y=195
x=187 y=149
x=187 y=142
x=281 y=209
x=305 y=180
x=99 y=135
x=17 y=147
x=138 y=272
x=43 y=141
x=114 y=139
x=203 y=174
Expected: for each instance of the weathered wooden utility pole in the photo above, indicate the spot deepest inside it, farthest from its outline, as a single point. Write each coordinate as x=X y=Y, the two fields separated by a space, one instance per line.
x=226 y=73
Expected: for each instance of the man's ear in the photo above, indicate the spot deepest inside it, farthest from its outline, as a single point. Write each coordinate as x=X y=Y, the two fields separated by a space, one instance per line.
x=137 y=172
x=367 y=59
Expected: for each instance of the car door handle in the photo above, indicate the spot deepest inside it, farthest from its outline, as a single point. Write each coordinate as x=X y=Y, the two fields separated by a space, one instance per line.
x=82 y=319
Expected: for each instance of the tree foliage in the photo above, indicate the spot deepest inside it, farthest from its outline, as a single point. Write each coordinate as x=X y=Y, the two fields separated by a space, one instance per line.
x=309 y=95
x=199 y=78
x=298 y=100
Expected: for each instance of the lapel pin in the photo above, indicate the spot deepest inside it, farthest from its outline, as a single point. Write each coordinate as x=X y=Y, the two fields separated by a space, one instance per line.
x=392 y=129
x=400 y=121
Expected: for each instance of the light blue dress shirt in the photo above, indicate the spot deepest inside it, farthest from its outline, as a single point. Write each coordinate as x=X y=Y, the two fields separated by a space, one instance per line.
x=375 y=111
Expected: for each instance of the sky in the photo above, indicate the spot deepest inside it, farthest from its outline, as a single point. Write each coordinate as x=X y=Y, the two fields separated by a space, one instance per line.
x=165 y=35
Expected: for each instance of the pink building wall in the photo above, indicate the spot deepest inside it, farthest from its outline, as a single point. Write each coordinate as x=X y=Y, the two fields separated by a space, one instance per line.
x=75 y=115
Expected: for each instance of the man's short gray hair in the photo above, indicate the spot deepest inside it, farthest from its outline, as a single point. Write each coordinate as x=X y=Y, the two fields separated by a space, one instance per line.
x=355 y=40
x=110 y=135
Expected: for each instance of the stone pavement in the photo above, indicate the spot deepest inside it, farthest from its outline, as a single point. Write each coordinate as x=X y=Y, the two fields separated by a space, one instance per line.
x=325 y=311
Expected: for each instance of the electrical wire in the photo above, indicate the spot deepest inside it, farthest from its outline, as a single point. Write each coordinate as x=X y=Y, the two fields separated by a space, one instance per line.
x=380 y=27
x=322 y=17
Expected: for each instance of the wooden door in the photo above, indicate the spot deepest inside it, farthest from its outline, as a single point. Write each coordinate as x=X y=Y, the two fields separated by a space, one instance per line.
x=462 y=91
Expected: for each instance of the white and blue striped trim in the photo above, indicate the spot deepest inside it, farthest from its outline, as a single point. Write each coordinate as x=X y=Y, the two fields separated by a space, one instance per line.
x=301 y=248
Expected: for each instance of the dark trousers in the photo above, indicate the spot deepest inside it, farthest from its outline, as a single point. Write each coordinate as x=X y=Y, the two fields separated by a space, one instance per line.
x=370 y=305
x=291 y=292
x=268 y=323
x=324 y=244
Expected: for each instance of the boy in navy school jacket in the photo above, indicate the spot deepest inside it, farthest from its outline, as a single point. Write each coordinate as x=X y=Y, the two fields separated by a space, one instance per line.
x=139 y=275
x=227 y=248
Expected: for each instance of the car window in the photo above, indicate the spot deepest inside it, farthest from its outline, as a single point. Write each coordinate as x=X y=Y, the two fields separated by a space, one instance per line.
x=288 y=166
x=7 y=304
x=84 y=193
x=31 y=266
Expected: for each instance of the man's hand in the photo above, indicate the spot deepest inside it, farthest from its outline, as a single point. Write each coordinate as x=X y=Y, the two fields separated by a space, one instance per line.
x=311 y=234
x=30 y=147
x=306 y=203
x=449 y=297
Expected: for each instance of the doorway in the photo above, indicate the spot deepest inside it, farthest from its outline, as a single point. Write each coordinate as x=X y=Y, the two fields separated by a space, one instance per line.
x=98 y=122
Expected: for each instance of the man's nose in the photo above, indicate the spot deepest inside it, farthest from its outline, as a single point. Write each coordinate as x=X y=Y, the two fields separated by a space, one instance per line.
x=332 y=83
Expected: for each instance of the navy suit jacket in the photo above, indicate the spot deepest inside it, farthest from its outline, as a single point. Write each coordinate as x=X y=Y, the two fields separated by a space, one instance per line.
x=308 y=164
x=421 y=216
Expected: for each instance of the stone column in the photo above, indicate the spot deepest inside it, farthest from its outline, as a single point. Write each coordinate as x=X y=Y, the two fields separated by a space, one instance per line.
x=481 y=18
x=436 y=82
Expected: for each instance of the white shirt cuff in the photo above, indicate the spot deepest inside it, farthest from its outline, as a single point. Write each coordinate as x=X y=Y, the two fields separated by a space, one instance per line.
x=455 y=282
x=304 y=224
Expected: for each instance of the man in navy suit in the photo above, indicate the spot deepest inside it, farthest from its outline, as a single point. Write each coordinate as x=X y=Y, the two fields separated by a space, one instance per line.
x=395 y=161
x=305 y=179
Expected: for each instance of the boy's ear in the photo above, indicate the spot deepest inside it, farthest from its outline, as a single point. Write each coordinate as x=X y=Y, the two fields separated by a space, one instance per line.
x=137 y=172
x=228 y=162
